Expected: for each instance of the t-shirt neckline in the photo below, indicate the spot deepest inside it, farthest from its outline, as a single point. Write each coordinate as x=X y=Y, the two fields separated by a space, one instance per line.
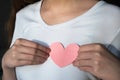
x=67 y=23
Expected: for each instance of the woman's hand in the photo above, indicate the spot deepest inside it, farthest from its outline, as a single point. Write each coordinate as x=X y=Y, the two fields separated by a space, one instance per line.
x=25 y=52
x=96 y=59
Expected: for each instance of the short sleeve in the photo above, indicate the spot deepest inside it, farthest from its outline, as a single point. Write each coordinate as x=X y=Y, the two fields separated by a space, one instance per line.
x=18 y=29
x=114 y=47
x=23 y=17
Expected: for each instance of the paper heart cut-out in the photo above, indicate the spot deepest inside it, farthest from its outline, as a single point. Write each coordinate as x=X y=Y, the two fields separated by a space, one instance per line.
x=63 y=56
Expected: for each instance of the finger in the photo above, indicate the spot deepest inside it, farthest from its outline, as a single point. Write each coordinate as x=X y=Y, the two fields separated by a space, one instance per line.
x=28 y=62
x=89 y=55
x=90 y=66
x=83 y=63
x=90 y=70
x=44 y=48
x=86 y=55
x=32 y=58
x=32 y=44
x=23 y=56
x=25 y=62
x=91 y=47
x=41 y=53
x=32 y=51
x=86 y=68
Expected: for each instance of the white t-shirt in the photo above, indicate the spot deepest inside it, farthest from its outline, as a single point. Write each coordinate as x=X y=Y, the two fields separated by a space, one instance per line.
x=100 y=24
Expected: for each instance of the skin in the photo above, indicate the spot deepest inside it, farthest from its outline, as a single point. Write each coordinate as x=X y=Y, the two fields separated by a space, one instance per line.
x=22 y=53
x=96 y=59
x=61 y=11
x=92 y=58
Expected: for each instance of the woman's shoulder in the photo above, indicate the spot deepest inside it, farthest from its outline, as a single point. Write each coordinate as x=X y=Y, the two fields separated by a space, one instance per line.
x=111 y=9
x=110 y=13
x=28 y=10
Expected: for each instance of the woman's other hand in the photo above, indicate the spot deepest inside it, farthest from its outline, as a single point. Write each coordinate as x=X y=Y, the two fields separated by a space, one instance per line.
x=96 y=59
x=25 y=52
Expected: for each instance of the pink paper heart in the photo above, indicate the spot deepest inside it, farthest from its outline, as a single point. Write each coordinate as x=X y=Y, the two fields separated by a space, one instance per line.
x=63 y=56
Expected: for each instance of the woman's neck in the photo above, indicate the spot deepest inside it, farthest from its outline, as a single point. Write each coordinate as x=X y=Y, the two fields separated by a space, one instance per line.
x=63 y=10
x=65 y=4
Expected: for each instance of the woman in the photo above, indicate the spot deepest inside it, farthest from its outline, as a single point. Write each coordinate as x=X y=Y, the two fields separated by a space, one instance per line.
x=43 y=23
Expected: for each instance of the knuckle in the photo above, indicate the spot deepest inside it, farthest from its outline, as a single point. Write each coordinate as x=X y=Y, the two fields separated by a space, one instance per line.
x=96 y=68
x=30 y=62
x=14 y=48
x=18 y=41
x=33 y=62
x=13 y=51
x=42 y=59
x=35 y=45
x=98 y=59
x=31 y=57
x=96 y=62
x=27 y=62
x=34 y=51
x=44 y=49
x=13 y=54
x=16 y=63
x=98 y=46
x=97 y=54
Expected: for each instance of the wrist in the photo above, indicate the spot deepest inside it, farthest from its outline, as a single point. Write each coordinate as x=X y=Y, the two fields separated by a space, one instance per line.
x=6 y=66
x=9 y=73
x=8 y=70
